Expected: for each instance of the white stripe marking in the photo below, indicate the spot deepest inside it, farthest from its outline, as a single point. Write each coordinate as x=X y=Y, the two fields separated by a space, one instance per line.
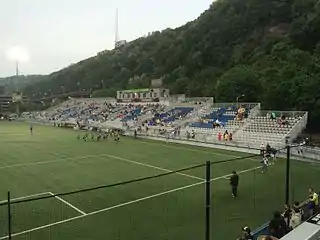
x=51 y=161
x=151 y=166
x=188 y=149
x=64 y=159
x=25 y=197
x=69 y=204
x=122 y=205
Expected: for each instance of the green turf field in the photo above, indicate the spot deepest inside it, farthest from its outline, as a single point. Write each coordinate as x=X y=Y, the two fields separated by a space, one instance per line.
x=53 y=161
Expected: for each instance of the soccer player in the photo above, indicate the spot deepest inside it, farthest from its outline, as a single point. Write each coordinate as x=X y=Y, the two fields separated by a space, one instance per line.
x=116 y=137
x=262 y=149
x=85 y=137
x=105 y=136
x=271 y=152
x=265 y=164
x=99 y=137
x=31 y=129
x=300 y=150
x=135 y=134
x=234 y=182
x=274 y=154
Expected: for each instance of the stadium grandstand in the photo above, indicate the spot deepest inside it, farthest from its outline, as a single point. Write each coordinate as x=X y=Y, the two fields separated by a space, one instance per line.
x=247 y=124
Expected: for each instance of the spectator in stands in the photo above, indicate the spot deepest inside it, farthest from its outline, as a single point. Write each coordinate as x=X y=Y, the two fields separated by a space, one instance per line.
x=301 y=208
x=268 y=115
x=217 y=123
x=241 y=113
x=246 y=234
x=226 y=135
x=313 y=201
x=287 y=214
x=219 y=136
x=295 y=219
x=267 y=238
x=193 y=134
x=230 y=137
x=296 y=205
x=277 y=226
x=283 y=121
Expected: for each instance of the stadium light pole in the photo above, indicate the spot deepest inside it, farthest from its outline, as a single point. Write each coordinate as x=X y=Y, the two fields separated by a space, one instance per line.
x=237 y=100
x=17 y=89
x=17 y=68
x=17 y=54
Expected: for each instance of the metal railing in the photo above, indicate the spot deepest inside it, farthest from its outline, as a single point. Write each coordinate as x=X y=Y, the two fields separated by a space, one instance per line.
x=283 y=113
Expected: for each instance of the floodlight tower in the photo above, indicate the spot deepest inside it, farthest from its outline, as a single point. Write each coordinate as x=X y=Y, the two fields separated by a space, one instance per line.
x=17 y=101
x=116 y=29
x=17 y=89
x=17 y=68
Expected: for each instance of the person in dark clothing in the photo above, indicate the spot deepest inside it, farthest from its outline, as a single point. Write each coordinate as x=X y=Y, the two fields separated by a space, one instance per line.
x=277 y=226
x=135 y=133
x=246 y=234
x=234 y=182
x=268 y=150
x=287 y=214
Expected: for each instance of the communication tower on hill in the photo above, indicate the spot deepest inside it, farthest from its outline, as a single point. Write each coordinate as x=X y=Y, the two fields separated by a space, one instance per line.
x=117 y=41
x=116 y=29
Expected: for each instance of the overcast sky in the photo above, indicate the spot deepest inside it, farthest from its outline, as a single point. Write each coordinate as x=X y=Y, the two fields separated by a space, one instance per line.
x=57 y=33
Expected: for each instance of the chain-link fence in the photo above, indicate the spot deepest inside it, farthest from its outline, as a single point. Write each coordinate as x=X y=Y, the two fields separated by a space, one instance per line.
x=166 y=205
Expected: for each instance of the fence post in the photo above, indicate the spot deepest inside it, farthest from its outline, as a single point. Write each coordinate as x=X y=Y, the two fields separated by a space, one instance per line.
x=254 y=191
x=288 y=175
x=9 y=216
x=208 y=197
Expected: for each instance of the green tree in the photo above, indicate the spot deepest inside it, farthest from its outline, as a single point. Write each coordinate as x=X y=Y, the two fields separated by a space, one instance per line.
x=240 y=80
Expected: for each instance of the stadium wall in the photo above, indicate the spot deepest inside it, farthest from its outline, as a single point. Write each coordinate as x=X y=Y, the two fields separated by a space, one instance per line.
x=310 y=155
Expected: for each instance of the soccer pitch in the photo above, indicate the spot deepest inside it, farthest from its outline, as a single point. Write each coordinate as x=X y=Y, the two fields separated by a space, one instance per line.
x=53 y=161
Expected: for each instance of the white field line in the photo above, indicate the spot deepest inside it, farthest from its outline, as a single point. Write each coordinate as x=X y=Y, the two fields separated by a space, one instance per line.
x=18 y=134
x=68 y=204
x=241 y=172
x=25 y=197
x=188 y=149
x=122 y=205
x=152 y=166
x=64 y=159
